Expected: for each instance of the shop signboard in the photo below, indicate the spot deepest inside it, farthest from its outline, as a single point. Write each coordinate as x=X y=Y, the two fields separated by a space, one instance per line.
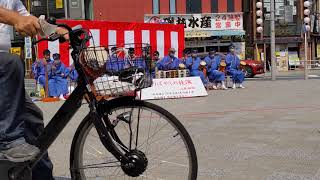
x=207 y=22
x=282 y=60
x=294 y=58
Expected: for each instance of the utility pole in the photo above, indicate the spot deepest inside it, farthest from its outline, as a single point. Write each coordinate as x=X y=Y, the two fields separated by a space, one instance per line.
x=273 y=43
x=306 y=28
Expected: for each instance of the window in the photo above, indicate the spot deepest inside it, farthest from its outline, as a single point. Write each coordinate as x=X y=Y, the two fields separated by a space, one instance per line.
x=155 y=6
x=286 y=17
x=193 y=6
x=172 y=6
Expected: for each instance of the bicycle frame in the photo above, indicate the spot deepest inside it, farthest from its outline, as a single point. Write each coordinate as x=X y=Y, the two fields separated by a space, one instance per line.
x=65 y=114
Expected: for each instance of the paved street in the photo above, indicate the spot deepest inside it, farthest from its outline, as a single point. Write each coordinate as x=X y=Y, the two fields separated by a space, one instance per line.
x=268 y=131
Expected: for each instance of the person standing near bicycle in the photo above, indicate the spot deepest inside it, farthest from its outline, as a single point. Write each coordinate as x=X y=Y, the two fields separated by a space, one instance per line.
x=21 y=121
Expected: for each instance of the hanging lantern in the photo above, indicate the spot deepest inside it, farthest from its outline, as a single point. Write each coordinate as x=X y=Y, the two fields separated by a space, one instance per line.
x=259 y=29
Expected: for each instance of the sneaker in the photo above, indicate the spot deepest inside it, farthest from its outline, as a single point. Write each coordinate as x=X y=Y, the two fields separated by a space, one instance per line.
x=62 y=98
x=21 y=153
x=241 y=86
x=223 y=87
x=214 y=87
x=234 y=86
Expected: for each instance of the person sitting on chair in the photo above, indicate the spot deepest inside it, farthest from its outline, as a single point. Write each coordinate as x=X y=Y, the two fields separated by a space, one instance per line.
x=193 y=64
x=115 y=63
x=186 y=55
x=39 y=69
x=73 y=74
x=133 y=61
x=215 y=76
x=233 y=68
x=169 y=62
x=58 y=83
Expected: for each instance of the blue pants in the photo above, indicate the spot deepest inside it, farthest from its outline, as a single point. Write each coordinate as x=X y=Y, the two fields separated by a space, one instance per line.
x=42 y=80
x=216 y=76
x=20 y=119
x=201 y=75
x=237 y=76
x=57 y=86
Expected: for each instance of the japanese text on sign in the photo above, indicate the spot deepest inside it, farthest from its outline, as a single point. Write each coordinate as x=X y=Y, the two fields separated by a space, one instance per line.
x=214 y=21
x=175 y=88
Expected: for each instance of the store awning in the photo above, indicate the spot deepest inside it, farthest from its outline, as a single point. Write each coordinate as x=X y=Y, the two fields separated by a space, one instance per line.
x=201 y=33
x=228 y=33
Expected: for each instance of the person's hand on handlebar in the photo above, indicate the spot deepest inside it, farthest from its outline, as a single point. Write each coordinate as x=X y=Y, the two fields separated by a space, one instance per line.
x=29 y=26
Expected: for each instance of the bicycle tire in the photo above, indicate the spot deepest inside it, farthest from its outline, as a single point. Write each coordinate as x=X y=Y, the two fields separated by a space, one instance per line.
x=86 y=125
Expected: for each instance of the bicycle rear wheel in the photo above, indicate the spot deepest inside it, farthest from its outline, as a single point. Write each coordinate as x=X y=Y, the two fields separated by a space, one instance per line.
x=158 y=140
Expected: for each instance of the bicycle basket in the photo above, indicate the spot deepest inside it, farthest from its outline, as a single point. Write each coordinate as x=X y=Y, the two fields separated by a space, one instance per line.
x=114 y=71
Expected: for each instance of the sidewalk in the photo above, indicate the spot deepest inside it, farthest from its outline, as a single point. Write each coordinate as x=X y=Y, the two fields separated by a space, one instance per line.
x=296 y=74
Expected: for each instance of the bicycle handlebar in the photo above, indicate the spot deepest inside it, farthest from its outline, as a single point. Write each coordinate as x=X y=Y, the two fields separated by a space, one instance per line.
x=74 y=35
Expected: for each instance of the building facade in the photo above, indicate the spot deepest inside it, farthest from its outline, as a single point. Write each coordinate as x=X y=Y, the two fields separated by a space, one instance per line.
x=208 y=23
x=289 y=31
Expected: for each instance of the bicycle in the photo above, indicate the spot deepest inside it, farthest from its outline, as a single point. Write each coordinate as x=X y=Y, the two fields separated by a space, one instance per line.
x=118 y=124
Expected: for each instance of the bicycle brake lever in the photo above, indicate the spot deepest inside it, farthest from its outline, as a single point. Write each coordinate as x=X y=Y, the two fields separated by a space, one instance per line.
x=54 y=37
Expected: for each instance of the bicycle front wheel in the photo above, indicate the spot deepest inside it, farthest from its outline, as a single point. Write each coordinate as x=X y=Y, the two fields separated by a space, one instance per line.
x=151 y=135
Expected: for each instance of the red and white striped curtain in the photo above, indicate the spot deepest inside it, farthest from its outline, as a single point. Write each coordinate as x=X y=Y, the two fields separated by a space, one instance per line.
x=161 y=37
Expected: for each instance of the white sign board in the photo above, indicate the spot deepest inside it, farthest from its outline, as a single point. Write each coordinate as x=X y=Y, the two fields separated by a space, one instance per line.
x=212 y=21
x=174 y=88
x=28 y=47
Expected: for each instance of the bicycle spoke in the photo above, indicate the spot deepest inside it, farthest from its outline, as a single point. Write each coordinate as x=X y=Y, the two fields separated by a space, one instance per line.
x=137 y=131
x=148 y=132
x=155 y=133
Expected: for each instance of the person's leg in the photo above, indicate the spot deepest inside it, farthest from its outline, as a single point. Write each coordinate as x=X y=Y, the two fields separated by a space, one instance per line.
x=34 y=126
x=202 y=77
x=42 y=80
x=233 y=73
x=62 y=87
x=11 y=85
x=52 y=88
x=240 y=79
x=12 y=142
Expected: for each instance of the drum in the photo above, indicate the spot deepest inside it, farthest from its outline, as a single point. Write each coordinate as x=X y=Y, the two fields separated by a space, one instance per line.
x=242 y=65
x=222 y=67
x=162 y=74
x=158 y=74
x=182 y=73
x=182 y=66
x=171 y=74
x=203 y=68
x=167 y=74
x=175 y=74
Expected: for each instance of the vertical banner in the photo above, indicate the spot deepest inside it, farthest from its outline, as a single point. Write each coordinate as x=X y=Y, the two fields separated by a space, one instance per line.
x=28 y=47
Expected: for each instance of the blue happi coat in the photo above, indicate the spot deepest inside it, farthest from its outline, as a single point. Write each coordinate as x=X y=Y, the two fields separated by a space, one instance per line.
x=73 y=75
x=233 y=68
x=168 y=63
x=193 y=66
x=58 y=83
x=213 y=64
x=136 y=62
x=39 y=71
x=183 y=60
x=115 y=64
